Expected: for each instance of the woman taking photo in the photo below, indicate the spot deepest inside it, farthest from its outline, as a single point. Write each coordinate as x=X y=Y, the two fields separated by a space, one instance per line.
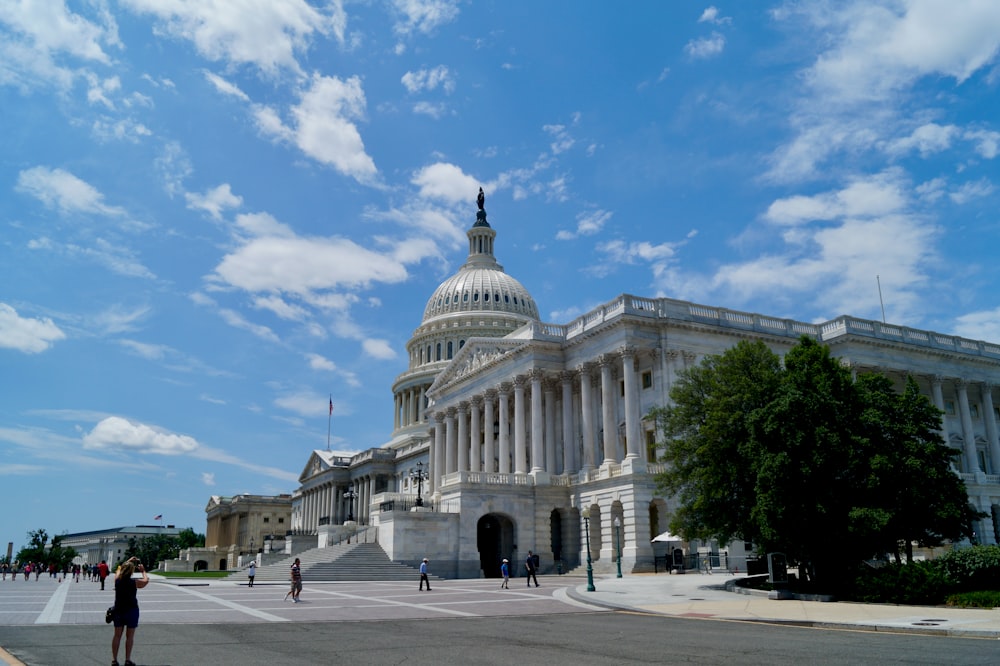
x=127 y=607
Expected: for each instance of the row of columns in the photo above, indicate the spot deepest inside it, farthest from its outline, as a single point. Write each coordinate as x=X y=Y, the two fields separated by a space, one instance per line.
x=327 y=499
x=409 y=407
x=969 y=452
x=464 y=439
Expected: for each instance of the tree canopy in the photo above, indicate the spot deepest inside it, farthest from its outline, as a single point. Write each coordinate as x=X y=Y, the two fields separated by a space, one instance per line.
x=36 y=551
x=799 y=458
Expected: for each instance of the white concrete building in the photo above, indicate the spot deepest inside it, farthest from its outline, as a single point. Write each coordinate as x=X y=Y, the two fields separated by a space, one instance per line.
x=523 y=425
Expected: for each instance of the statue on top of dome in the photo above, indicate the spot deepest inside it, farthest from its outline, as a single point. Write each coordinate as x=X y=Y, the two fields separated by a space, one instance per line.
x=481 y=199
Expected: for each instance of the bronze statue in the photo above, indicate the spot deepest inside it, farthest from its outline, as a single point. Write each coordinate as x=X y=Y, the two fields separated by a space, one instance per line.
x=481 y=199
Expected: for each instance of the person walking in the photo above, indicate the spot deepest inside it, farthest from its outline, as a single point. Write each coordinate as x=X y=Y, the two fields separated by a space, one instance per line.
x=530 y=565
x=423 y=576
x=102 y=572
x=505 y=572
x=296 y=575
x=252 y=571
x=126 y=616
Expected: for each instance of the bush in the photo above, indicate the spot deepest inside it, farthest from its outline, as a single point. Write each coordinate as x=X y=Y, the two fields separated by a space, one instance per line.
x=972 y=569
x=987 y=599
x=919 y=583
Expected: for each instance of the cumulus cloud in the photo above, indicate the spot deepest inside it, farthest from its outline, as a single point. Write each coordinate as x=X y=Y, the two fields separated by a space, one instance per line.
x=711 y=15
x=25 y=334
x=62 y=190
x=926 y=139
x=214 y=201
x=429 y=79
x=705 y=47
x=587 y=224
x=264 y=33
x=446 y=182
x=380 y=349
x=423 y=15
x=322 y=125
x=982 y=325
x=117 y=434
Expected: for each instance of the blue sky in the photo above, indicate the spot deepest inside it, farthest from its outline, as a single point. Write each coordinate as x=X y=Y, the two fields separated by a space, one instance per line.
x=214 y=219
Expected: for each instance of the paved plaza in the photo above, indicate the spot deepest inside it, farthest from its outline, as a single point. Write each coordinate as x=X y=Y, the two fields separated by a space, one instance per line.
x=36 y=615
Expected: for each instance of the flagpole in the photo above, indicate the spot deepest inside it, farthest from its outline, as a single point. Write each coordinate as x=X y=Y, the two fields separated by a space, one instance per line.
x=329 y=420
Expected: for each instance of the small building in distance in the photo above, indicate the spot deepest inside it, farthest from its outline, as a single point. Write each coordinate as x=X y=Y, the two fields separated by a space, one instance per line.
x=110 y=544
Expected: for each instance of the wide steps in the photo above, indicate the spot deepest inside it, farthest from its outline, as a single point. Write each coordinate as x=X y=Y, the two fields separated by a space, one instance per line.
x=343 y=562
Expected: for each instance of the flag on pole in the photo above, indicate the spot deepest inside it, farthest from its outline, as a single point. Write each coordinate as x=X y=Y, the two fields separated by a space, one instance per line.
x=331 y=406
x=158 y=516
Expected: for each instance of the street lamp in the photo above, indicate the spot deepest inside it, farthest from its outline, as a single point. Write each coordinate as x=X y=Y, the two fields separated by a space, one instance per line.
x=349 y=495
x=618 y=544
x=586 y=530
x=419 y=474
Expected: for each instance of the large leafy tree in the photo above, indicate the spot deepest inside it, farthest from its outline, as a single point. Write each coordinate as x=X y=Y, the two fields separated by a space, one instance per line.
x=35 y=551
x=913 y=494
x=801 y=459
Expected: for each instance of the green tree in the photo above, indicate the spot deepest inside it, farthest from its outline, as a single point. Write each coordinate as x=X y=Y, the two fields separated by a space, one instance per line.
x=799 y=458
x=35 y=550
x=59 y=554
x=912 y=488
x=711 y=447
x=188 y=538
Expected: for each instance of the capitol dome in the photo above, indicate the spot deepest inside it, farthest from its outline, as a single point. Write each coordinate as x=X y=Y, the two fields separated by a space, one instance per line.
x=478 y=301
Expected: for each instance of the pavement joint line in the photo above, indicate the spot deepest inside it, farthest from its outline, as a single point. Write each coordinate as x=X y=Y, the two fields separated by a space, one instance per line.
x=234 y=606
x=53 y=610
x=438 y=609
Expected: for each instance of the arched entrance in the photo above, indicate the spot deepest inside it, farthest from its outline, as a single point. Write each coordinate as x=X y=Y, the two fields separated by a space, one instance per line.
x=494 y=541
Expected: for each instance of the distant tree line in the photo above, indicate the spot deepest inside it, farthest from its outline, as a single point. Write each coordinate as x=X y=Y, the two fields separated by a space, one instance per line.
x=150 y=550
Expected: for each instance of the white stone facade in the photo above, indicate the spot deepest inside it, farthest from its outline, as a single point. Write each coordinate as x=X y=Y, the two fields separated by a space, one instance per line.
x=522 y=427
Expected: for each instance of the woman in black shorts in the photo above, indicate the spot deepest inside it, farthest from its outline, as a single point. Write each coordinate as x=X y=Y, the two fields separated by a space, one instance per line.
x=127 y=607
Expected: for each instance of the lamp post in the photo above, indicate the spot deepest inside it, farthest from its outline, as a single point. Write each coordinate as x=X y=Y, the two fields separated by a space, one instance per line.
x=349 y=495
x=419 y=474
x=618 y=544
x=586 y=531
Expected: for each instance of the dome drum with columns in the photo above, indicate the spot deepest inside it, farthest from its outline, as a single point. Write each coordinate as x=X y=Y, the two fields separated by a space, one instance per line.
x=522 y=425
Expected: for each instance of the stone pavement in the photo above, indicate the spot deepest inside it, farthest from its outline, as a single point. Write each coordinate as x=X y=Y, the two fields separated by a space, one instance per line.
x=697 y=595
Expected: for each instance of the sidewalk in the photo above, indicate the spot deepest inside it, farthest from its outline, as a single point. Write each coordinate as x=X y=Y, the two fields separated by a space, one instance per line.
x=696 y=595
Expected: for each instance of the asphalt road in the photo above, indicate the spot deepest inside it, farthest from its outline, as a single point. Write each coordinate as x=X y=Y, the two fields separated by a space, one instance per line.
x=577 y=639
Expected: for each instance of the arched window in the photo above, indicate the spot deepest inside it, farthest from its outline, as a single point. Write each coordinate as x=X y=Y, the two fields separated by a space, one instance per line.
x=449 y=349
x=438 y=351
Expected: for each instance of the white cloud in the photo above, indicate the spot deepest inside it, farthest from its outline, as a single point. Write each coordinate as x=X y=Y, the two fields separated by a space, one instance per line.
x=236 y=320
x=435 y=111
x=26 y=335
x=711 y=15
x=322 y=125
x=208 y=478
x=280 y=307
x=263 y=33
x=562 y=140
x=380 y=349
x=147 y=351
x=927 y=139
x=317 y=362
x=225 y=87
x=863 y=197
x=423 y=15
x=214 y=201
x=587 y=224
x=429 y=79
x=117 y=434
x=446 y=181
x=987 y=142
x=705 y=47
x=970 y=191
x=982 y=325
x=60 y=189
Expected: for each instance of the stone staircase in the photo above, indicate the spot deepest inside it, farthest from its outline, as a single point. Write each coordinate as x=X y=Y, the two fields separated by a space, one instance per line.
x=342 y=562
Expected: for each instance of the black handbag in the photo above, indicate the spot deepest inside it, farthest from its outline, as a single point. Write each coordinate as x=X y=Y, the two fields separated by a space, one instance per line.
x=109 y=615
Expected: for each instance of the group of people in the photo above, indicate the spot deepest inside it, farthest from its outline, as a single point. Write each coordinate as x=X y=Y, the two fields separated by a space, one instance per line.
x=92 y=572
x=531 y=563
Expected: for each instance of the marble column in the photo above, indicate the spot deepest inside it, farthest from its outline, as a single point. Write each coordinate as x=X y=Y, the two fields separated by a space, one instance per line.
x=991 y=426
x=587 y=416
x=634 y=447
x=462 y=415
x=568 y=440
x=450 y=442
x=475 y=435
x=489 y=443
x=520 y=446
x=504 y=410
x=537 y=422
x=968 y=434
x=436 y=460
x=938 y=395
x=550 y=427
x=608 y=409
